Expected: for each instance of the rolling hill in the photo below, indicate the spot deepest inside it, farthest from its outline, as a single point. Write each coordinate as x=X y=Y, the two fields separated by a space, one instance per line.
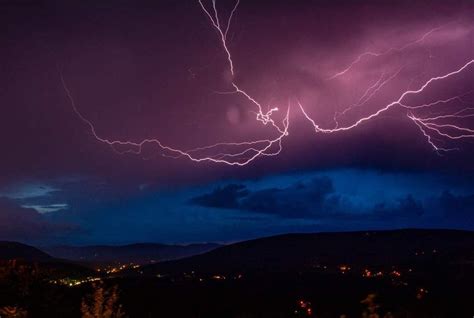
x=299 y=251
x=14 y=250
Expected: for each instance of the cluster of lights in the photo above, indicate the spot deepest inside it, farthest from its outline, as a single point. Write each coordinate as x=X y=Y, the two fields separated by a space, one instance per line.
x=218 y=277
x=117 y=269
x=305 y=307
x=437 y=129
x=344 y=268
x=71 y=282
x=421 y=293
x=367 y=273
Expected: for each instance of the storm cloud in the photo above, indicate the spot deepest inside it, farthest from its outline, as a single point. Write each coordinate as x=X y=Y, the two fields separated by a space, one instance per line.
x=157 y=70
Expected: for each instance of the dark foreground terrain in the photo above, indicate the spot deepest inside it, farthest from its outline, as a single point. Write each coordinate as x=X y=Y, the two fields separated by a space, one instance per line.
x=405 y=273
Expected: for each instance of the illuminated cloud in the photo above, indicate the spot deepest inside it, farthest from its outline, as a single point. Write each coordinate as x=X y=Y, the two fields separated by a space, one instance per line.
x=45 y=208
x=26 y=224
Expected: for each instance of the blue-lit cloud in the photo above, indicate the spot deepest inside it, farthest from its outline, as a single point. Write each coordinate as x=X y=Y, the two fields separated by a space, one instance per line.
x=37 y=196
x=331 y=200
x=46 y=208
x=314 y=198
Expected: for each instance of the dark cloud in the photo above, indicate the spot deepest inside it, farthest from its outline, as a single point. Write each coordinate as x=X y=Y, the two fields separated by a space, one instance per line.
x=297 y=200
x=25 y=224
x=314 y=198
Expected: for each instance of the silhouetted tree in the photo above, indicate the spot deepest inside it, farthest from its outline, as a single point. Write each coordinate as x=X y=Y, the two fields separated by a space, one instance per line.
x=102 y=303
x=372 y=307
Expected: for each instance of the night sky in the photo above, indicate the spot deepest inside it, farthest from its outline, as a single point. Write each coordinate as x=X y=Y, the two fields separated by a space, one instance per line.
x=83 y=82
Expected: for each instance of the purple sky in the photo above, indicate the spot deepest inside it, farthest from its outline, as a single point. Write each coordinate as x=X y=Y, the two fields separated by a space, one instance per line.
x=159 y=70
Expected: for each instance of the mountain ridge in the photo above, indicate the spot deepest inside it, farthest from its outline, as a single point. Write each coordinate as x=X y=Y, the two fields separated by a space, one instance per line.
x=139 y=253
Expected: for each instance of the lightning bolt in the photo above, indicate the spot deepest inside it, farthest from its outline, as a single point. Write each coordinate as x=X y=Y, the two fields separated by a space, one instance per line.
x=363 y=55
x=215 y=21
x=244 y=152
x=367 y=96
x=424 y=124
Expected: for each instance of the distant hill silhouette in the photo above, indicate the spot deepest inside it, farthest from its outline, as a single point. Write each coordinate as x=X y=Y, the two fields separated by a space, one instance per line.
x=300 y=251
x=15 y=250
x=141 y=253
